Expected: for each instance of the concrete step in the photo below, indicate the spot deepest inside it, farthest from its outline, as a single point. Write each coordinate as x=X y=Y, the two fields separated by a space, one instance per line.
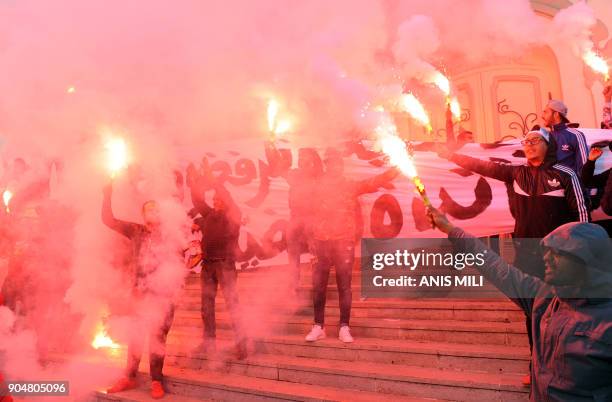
x=486 y=358
x=464 y=310
x=224 y=386
x=396 y=380
x=453 y=331
x=283 y=280
x=142 y=394
x=305 y=293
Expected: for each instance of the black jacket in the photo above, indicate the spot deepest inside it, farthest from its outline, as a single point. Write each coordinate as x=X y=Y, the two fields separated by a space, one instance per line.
x=606 y=199
x=220 y=230
x=545 y=197
x=591 y=181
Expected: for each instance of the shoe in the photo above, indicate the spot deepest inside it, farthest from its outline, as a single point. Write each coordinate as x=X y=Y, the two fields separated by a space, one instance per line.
x=157 y=390
x=345 y=334
x=122 y=385
x=316 y=333
x=527 y=380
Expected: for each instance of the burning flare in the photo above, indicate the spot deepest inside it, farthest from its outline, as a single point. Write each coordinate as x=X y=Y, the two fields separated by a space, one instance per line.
x=102 y=340
x=117 y=157
x=395 y=148
x=455 y=108
x=276 y=126
x=441 y=82
x=597 y=63
x=411 y=105
x=6 y=197
x=272 y=114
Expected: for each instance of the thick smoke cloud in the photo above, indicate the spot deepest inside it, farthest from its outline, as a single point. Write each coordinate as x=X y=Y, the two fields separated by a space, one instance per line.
x=172 y=77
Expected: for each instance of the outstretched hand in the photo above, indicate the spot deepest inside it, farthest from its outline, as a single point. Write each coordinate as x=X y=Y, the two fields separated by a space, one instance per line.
x=439 y=220
x=595 y=153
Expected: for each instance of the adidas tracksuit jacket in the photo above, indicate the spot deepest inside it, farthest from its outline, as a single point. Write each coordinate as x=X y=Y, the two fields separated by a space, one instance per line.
x=545 y=197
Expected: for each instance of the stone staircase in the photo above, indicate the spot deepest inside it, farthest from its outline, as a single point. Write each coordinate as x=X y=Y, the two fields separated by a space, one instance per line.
x=408 y=350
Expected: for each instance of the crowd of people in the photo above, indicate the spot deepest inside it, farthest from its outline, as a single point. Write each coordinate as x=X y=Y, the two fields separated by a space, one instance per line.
x=550 y=196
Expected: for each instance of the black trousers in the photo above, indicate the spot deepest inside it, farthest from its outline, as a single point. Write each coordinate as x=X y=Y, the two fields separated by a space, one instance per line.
x=157 y=348
x=223 y=273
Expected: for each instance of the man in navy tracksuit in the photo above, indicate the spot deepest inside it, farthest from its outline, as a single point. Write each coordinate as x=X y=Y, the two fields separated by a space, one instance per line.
x=572 y=148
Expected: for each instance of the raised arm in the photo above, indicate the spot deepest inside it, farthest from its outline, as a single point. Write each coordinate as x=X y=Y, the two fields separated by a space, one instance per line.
x=589 y=179
x=485 y=168
x=450 y=129
x=279 y=160
x=128 y=229
x=514 y=283
x=197 y=185
x=372 y=184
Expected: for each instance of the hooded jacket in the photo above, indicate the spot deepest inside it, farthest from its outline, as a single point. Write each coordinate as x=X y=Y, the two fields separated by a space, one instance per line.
x=572 y=326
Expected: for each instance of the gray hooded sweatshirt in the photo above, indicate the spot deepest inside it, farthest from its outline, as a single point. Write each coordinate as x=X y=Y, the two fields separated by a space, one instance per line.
x=572 y=326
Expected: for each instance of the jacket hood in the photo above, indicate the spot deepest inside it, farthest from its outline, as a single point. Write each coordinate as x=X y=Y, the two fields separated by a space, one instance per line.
x=591 y=244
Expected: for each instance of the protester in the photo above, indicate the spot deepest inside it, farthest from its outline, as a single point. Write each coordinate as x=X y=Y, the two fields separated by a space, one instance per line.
x=146 y=239
x=572 y=147
x=336 y=200
x=570 y=309
x=302 y=182
x=546 y=195
x=220 y=227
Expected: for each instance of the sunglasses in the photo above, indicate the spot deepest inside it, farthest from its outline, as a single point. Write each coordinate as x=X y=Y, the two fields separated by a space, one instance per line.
x=533 y=141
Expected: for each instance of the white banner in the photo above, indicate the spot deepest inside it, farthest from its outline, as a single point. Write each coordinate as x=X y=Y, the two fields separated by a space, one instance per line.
x=477 y=204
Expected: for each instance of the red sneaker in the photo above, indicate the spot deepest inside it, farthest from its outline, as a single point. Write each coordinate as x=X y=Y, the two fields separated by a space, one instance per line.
x=122 y=385
x=157 y=390
x=527 y=380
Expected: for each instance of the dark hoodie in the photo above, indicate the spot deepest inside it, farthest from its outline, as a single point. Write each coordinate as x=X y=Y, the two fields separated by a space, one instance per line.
x=572 y=326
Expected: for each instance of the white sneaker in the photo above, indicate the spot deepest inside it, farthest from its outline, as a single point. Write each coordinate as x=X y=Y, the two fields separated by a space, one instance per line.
x=345 y=334
x=315 y=334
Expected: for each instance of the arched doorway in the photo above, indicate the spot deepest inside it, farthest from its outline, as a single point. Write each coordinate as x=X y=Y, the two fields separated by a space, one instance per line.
x=504 y=100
